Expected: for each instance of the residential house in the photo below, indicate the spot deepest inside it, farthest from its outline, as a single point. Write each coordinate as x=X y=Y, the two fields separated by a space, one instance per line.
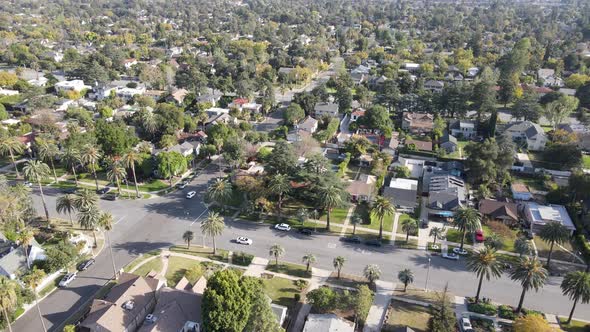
x=402 y=193
x=41 y=81
x=7 y=92
x=527 y=132
x=155 y=94
x=327 y=323
x=446 y=192
x=128 y=63
x=538 y=216
x=463 y=129
x=390 y=145
x=308 y=124
x=416 y=166
x=187 y=148
x=252 y=107
x=128 y=93
x=297 y=135
x=434 y=85
x=62 y=105
x=506 y=212
x=365 y=160
x=417 y=123
x=548 y=78
x=522 y=163
x=409 y=66
x=280 y=312
x=14 y=259
x=238 y=103
x=326 y=110
x=582 y=133
x=175 y=309
x=363 y=189
x=448 y=143
x=357 y=114
x=420 y=145
x=178 y=96
x=520 y=192
x=125 y=307
x=73 y=85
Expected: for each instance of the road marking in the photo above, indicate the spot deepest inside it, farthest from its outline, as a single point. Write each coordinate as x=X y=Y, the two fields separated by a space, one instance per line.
x=202 y=213
x=120 y=219
x=332 y=245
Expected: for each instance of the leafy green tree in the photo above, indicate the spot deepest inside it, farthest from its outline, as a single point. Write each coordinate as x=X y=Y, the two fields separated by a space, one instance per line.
x=66 y=204
x=219 y=191
x=8 y=298
x=188 y=236
x=363 y=302
x=494 y=241
x=344 y=97
x=71 y=158
x=409 y=226
x=262 y=318
x=293 y=114
x=372 y=272
x=323 y=299
x=114 y=137
x=576 y=285
x=213 y=226
x=554 y=233
x=406 y=276
x=389 y=94
x=532 y=323
x=527 y=108
x=488 y=160
x=282 y=159
x=26 y=237
x=279 y=185
x=308 y=259
x=467 y=219
x=10 y=146
x=557 y=111
x=90 y=157
x=276 y=251
x=36 y=171
x=171 y=164
x=442 y=318
x=60 y=256
x=485 y=264
x=531 y=274
x=32 y=279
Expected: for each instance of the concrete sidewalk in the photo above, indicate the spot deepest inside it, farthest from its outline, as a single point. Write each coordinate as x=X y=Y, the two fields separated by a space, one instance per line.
x=378 y=310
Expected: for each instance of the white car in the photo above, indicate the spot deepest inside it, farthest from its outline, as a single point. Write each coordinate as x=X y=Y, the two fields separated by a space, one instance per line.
x=283 y=227
x=244 y=240
x=191 y=194
x=451 y=256
x=466 y=325
x=67 y=279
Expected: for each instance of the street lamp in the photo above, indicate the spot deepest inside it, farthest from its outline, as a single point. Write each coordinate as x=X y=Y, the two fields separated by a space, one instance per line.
x=427 y=273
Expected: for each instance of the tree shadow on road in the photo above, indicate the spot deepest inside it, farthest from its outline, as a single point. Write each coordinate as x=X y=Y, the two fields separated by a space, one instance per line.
x=141 y=247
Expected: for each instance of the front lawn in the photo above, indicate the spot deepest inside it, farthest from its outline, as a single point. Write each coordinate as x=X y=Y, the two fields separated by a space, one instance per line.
x=222 y=255
x=400 y=222
x=295 y=270
x=346 y=280
x=574 y=326
x=558 y=253
x=586 y=161
x=282 y=291
x=155 y=264
x=337 y=216
x=177 y=267
x=151 y=185
x=402 y=314
x=387 y=223
x=417 y=294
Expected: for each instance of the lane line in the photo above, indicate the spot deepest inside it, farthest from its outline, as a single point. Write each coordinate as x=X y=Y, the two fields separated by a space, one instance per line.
x=202 y=213
x=120 y=219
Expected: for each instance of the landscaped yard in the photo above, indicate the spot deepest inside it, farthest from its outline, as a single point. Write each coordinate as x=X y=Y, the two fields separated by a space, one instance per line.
x=177 y=267
x=337 y=216
x=222 y=255
x=155 y=264
x=140 y=259
x=586 y=160
x=402 y=314
x=151 y=185
x=295 y=270
x=400 y=222
x=460 y=152
x=347 y=280
x=282 y=291
x=558 y=253
x=574 y=326
x=416 y=294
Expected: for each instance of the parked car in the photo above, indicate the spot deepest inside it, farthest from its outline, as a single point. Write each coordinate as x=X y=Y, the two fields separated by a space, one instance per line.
x=373 y=243
x=451 y=256
x=69 y=190
x=479 y=237
x=191 y=194
x=283 y=227
x=181 y=185
x=67 y=279
x=465 y=324
x=27 y=184
x=86 y=264
x=305 y=231
x=351 y=239
x=244 y=240
x=111 y=197
x=103 y=190
x=424 y=223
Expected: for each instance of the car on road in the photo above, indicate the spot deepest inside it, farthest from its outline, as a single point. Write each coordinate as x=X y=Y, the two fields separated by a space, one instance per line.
x=373 y=243
x=465 y=325
x=182 y=185
x=351 y=239
x=86 y=264
x=103 y=190
x=27 y=184
x=451 y=256
x=111 y=197
x=283 y=227
x=191 y=194
x=244 y=240
x=67 y=279
x=305 y=231
x=479 y=237
x=69 y=190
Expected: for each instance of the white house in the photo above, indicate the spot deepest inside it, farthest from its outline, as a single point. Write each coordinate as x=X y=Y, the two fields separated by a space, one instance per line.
x=41 y=81
x=73 y=85
x=6 y=92
x=529 y=132
x=128 y=63
x=326 y=109
x=463 y=128
x=128 y=93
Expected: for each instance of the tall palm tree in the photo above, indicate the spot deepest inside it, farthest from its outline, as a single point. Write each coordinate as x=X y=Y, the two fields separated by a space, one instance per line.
x=484 y=263
x=188 y=236
x=382 y=208
x=523 y=246
x=66 y=204
x=213 y=226
x=7 y=298
x=355 y=220
x=26 y=237
x=467 y=219
x=48 y=151
x=531 y=274
x=409 y=226
x=88 y=218
x=276 y=251
x=105 y=221
x=219 y=191
x=116 y=173
x=85 y=199
x=33 y=279
x=10 y=146
x=437 y=233
x=338 y=263
x=36 y=171
x=372 y=272
x=279 y=185
x=89 y=157
x=149 y=123
x=129 y=159
x=308 y=259
x=554 y=233
x=330 y=197
x=406 y=276
x=576 y=285
x=71 y=158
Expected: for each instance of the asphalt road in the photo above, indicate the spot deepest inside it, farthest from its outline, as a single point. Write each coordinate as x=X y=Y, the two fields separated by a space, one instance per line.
x=145 y=225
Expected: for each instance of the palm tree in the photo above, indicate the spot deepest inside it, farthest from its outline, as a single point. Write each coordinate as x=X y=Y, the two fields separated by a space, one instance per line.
x=220 y=191
x=531 y=274
x=308 y=259
x=276 y=251
x=90 y=156
x=406 y=276
x=85 y=199
x=213 y=226
x=71 y=158
x=66 y=204
x=467 y=219
x=372 y=272
x=129 y=159
x=494 y=241
x=437 y=233
x=330 y=197
x=338 y=263
x=36 y=171
x=116 y=173
x=26 y=237
x=279 y=185
x=188 y=236
x=33 y=279
x=554 y=232
x=576 y=285
x=409 y=226
x=523 y=246
x=88 y=218
x=8 y=298
x=48 y=151
x=10 y=146
x=382 y=208
x=484 y=263
x=355 y=220
x=105 y=221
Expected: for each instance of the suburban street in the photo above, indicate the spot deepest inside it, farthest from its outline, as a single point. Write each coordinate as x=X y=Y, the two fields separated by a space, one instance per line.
x=144 y=225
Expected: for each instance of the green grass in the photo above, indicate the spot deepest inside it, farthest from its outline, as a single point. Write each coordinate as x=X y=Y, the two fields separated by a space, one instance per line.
x=295 y=270
x=402 y=314
x=51 y=286
x=586 y=161
x=177 y=267
x=152 y=185
x=337 y=216
x=453 y=235
x=460 y=152
x=400 y=221
x=558 y=253
x=140 y=259
x=387 y=223
x=154 y=264
x=222 y=255
x=574 y=326
x=347 y=280
x=282 y=291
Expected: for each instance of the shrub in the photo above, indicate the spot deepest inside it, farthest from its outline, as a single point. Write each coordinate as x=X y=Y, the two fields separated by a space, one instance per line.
x=242 y=258
x=483 y=308
x=500 y=229
x=507 y=312
x=482 y=324
x=297 y=297
x=301 y=284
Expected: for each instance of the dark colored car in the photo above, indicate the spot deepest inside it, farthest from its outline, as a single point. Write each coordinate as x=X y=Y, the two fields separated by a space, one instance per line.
x=69 y=190
x=103 y=190
x=424 y=223
x=351 y=239
x=373 y=243
x=111 y=197
x=86 y=264
x=305 y=231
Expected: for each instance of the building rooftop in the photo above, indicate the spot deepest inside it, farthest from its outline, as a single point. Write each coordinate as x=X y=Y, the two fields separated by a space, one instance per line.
x=407 y=184
x=542 y=214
